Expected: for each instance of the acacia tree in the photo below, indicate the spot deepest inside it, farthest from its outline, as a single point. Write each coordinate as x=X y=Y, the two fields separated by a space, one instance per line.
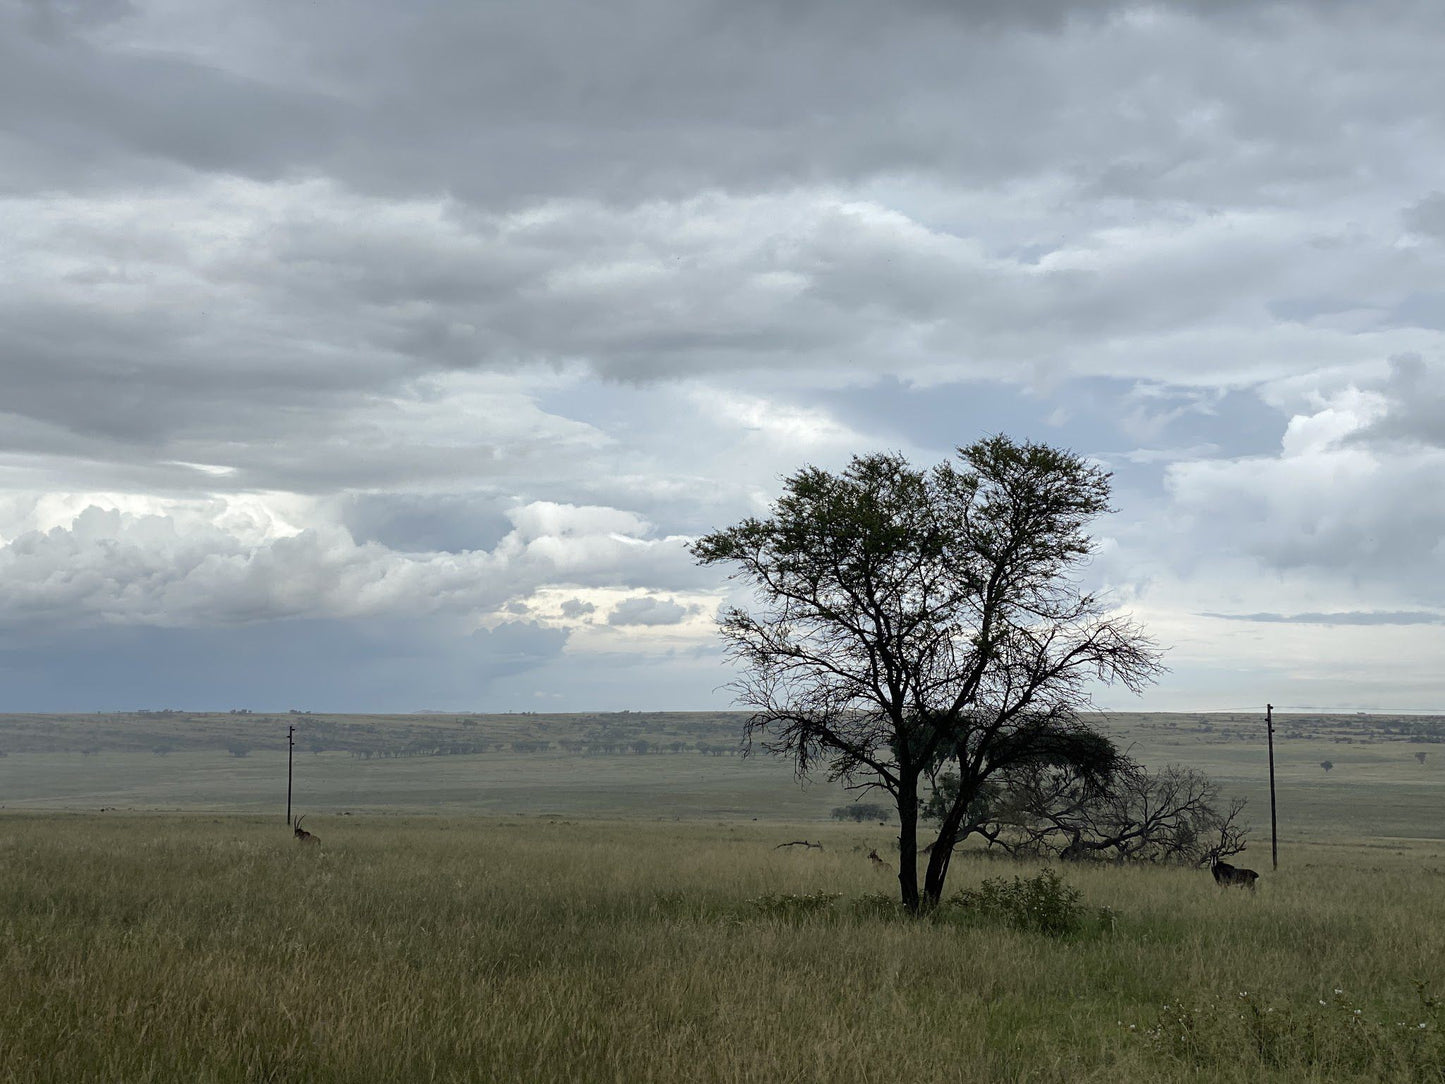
x=1133 y=814
x=909 y=622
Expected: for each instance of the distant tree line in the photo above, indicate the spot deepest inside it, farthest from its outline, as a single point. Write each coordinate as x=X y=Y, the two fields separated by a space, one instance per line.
x=532 y=747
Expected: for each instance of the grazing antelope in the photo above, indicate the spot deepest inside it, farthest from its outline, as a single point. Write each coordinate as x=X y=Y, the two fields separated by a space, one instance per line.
x=878 y=863
x=1225 y=874
x=303 y=836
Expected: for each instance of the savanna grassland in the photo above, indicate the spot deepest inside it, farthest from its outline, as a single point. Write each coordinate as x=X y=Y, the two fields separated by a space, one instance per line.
x=684 y=944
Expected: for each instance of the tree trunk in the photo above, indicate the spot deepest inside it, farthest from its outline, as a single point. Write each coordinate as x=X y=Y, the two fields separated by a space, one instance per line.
x=942 y=853
x=908 y=847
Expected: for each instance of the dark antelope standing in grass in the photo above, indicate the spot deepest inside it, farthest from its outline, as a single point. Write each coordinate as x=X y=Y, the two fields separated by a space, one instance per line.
x=878 y=863
x=303 y=836
x=1225 y=874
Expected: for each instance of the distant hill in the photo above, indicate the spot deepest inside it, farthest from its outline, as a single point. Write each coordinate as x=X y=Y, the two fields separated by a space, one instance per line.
x=584 y=733
x=421 y=734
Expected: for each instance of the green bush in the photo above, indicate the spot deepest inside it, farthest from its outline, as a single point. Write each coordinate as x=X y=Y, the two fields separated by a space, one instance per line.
x=1043 y=903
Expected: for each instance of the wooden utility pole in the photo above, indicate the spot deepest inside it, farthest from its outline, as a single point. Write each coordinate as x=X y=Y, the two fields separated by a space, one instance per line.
x=1273 y=820
x=290 y=748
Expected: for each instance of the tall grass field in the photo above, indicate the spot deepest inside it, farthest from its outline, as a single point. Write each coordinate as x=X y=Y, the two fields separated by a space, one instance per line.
x=610 y=897
x=203 y=947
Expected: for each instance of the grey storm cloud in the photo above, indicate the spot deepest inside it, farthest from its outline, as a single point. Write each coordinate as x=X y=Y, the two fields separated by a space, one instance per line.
x=356 y=196
x=1427 y=216
x=1414 y=394
x=647 y=611
x=333 y=315
x=86 y=105
x=1333 y=513
x=383 y=665
x=195 y=568
x=500 y=103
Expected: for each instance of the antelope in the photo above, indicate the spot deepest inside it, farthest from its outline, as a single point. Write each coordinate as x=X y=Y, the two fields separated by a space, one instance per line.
x=1225 y=874
x=878 y=863
x=303 y=836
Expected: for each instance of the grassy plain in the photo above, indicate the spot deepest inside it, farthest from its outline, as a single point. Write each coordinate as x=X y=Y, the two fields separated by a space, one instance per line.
x=212 y=948
x=588 y=765
x=510 y=912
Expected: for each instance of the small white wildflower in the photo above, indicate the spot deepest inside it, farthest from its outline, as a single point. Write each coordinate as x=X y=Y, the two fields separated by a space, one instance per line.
x=1422 y=1025
x=1322 y=1001
x=1357 y=1012
x=1338 y=990
x=1131 y=1027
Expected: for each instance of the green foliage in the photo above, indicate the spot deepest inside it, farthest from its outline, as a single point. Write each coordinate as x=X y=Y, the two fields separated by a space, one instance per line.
x=1044 y=903
x=904 y=621
x=989 y=800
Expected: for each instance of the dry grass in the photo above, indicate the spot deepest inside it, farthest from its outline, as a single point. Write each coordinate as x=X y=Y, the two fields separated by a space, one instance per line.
x=203 y=948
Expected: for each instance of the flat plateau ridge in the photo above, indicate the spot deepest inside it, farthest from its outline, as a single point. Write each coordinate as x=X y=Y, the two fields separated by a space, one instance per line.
x=440 y=733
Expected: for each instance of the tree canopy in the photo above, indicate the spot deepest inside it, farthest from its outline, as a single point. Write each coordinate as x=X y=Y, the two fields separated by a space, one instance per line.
x=907 y=622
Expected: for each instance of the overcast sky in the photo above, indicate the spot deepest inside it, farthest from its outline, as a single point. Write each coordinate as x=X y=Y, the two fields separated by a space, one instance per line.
x=369 y=355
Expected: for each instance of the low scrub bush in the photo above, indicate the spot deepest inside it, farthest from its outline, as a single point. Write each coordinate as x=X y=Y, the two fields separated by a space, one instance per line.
x=1043 y=903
